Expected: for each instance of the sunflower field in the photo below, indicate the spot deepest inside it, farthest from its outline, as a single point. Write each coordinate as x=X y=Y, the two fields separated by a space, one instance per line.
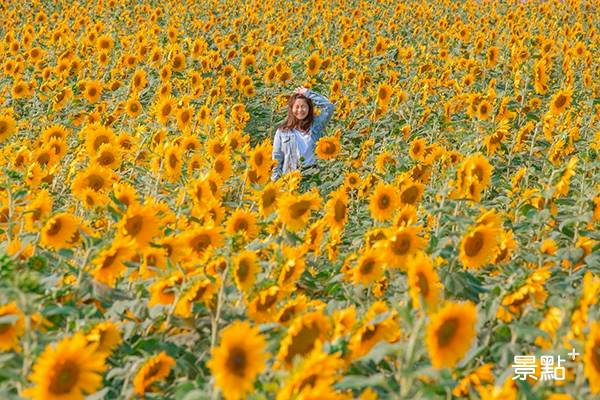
x=448 y=248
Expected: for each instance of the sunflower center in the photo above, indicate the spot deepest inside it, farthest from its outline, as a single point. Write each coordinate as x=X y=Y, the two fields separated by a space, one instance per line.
x=369 y=333
x=172 y=160
x=151 y=259
x=236 y=361
x=3 y=127
x=106 y=158
x=242 y=270
x=560 y=100
x=200 y=293
x=134 y=225
x=595 y=358
x=96 y=182
x=423 y=284
x=54 y=228
x=367 y=266
x=240 y=225
x=286 y=315
x=474 y=244
x=200 y=242
x=43 y=158
x=409 y=196
x=383 y=202
x=329 y=148
x=303 y=341
x=4 y=327
x=166 y=110
x=339 y=211
x=92 y=92
x=258 y=159
x=65 y=379
x=298 y=209
x=447 y=331
x=401 y=245
x=268 y=198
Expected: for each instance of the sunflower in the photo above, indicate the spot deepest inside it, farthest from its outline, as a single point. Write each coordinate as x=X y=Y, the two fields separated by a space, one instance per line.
x=262 y=307
x=163 y=291
x=245 y=268
x=108 y=155
x=484 y=109
x=401 y=244
x=154 y=261
x=95 y=135
x=591 y=357
x=133 y=107
x=165 y=109
x=369 y=267
x=337 y=209
x=202 y=239
x=302 y=337
x=39 y=207
x=200 y=192
x=328 y=148
x=313 y=63
x=293 y=267
x=314 y=237
x=7 y=127
x=380 y=323
x=450 y=333
x=92 y=91
x=172 y=162
x=267 y=198
x=125 y=194
x=12 y=328
x=185 y=116
x=383 y=202
x=68 y=370
x=318 y=372
x=105 y=336
x=140 y=224
x=238 y=359
x=290 y=310
x=352 y=180
x=295 y=210
x=242 y=222
x=384 y=94
x=109 y=264
x=478 y=246
x=222 y=166
x=561 y=101
x=202 y=290
x=423 y=281
x=153 y=370
x=260 y=159
x=59 y=231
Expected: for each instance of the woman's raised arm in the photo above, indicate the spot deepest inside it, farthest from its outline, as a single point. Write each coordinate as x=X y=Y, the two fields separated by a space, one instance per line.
x=326 y=108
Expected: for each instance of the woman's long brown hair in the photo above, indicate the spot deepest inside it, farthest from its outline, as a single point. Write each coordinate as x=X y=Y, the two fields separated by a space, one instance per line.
x=291 y=121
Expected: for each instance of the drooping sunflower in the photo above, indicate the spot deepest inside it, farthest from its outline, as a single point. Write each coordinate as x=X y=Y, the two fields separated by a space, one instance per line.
x=328 y=147
x=369 y=267
x=302 y=337
x=7 y=127
x=68 y=370
x=478 y=246
x=245 y=268
x=383 y=202
x=401 y=244
x=591 y=357
x=450 y=333
x=11 y=331
x=561 y=101
x=153 y=370
x=423 y=281
x=164 y=290
x=59 y=230
x=238 y=359
x=295 y=210
x=140 y=224
x=293 y=267
x=105 y=336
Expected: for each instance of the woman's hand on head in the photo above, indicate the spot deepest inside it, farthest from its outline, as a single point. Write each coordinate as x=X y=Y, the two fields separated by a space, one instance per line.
x=300 y=90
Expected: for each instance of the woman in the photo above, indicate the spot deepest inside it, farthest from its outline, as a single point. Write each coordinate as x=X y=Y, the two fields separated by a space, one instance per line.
x=295 y=139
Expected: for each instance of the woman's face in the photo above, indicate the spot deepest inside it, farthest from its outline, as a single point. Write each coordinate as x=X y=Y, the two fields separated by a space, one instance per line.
x=300 y=109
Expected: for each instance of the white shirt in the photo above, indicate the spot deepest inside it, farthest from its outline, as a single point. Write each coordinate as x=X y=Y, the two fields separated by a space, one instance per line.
x=305 y=145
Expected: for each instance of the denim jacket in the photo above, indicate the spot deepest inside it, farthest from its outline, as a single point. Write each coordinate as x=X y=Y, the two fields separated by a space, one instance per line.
x=285 y=148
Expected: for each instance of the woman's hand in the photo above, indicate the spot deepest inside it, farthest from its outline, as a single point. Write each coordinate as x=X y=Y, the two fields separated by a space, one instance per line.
x=300 y=90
